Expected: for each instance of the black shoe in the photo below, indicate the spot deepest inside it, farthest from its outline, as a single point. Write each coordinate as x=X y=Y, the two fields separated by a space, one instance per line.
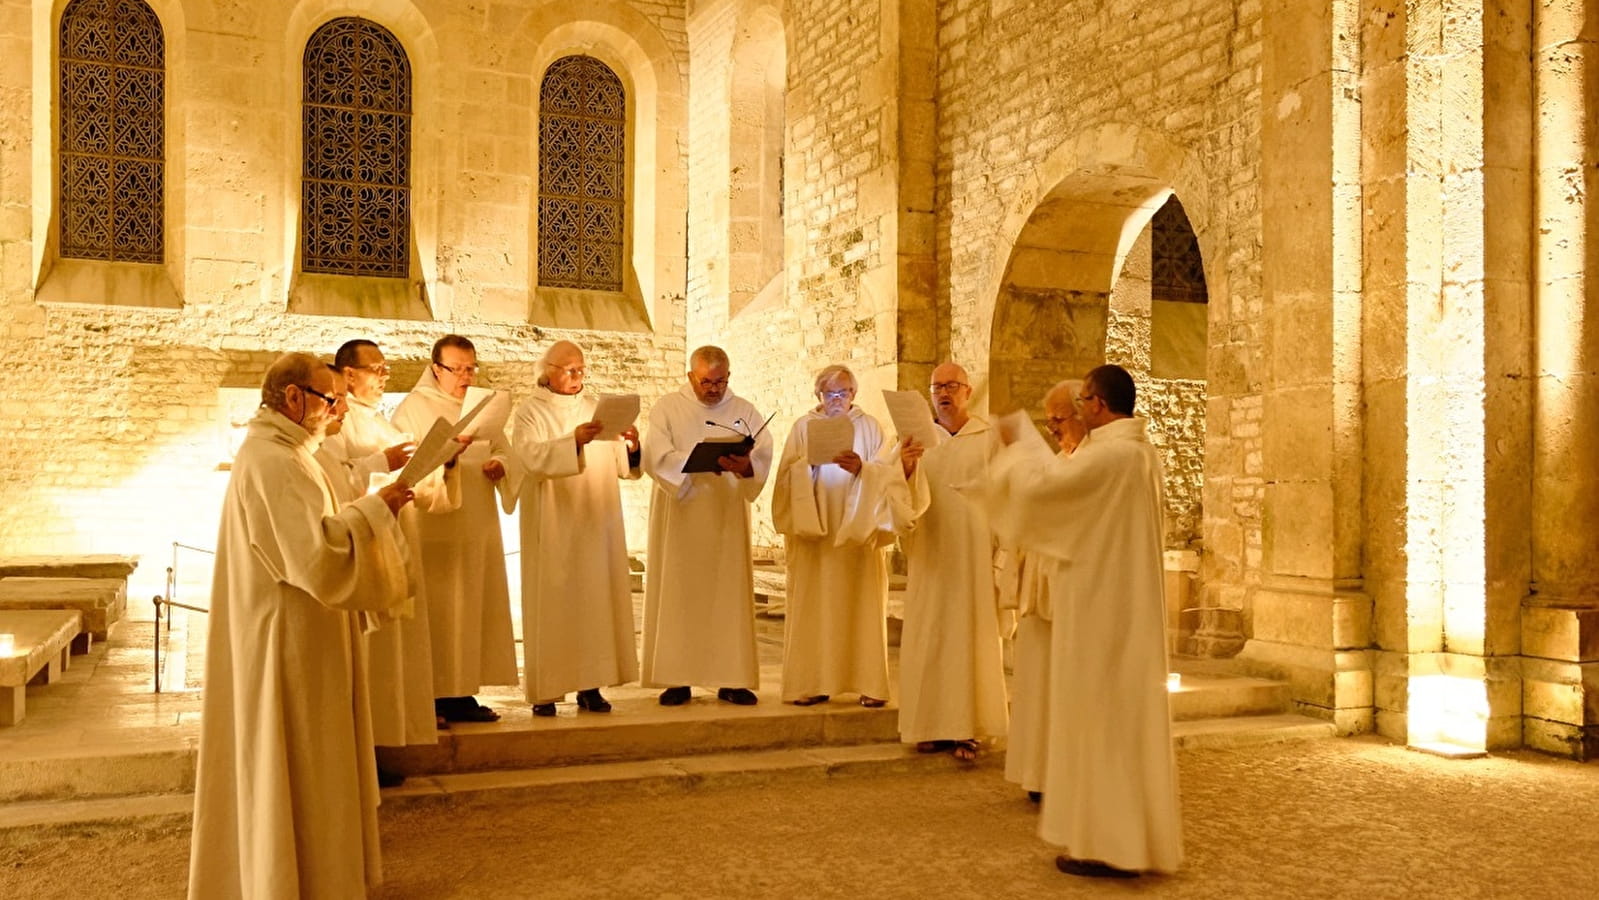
x=738 y=696
x=1091 y=868
x=812 y=700
x=544 y=710
x=676 y=696
x=1036 y=796
x=387 y=779
x=592 y=701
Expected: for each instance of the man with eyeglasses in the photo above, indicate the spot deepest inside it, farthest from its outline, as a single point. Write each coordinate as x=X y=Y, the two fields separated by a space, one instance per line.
x=951 y=669
x=1110 y=782
x=463 y=557
x=834 y=521
x=401 y=658
x=286 y=790
x=1025 y=583
x=577 y=602
x=699 y=584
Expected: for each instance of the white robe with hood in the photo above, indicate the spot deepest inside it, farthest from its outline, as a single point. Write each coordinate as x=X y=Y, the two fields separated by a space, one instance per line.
x=699 y=583
x=463 y=557
x=286 y=790
x=1110 y=785
x=834 y=527
x=577 y=605
x=400 y=655
x=951 y=665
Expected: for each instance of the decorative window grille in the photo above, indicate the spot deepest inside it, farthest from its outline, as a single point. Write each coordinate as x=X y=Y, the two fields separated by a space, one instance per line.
x=1178 y=272
x=112 y=142
x=582 y=145
x=355 y=194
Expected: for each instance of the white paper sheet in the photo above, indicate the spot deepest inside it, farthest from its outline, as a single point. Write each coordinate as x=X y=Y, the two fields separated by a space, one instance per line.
x=828 y=437
x=495 y=406
x=438 y=447
x=913 y=418
x=616 y=412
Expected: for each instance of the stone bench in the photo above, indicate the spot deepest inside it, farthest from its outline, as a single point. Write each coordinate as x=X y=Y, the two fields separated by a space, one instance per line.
x=40 y=651
x=92 y=565
x=102 y=601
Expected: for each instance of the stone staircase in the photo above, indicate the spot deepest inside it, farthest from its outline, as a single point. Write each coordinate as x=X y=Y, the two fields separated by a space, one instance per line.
x=639 y=747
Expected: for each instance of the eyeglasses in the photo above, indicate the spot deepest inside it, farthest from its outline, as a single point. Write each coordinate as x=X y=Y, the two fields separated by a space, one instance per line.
x=1060 y=420
x=571 y=371
x=375 y=368
x=458 y=370
x=330 y=401
x=946 y=387
x=712 y=382
x=838 y=395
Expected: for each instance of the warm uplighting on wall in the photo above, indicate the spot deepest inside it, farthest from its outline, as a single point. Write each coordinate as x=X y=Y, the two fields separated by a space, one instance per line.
x=1448 y=715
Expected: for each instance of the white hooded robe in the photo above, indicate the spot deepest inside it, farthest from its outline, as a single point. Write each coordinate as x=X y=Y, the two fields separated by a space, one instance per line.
x=834 y=526
x=286 y=790
x=463 y=557
x=577 y=605
x=951 y=665
x=1110 y=785
x=699 y=583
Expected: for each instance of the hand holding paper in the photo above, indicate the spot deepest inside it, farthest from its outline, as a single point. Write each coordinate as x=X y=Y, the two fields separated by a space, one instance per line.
x=827 y=438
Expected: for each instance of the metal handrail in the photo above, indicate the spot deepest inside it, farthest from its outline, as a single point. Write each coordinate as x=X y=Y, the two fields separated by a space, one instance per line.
x=171 y=600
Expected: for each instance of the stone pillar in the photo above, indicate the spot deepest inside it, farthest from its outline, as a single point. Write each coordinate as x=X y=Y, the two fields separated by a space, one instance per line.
x=916 y=320
x=1309 y=618
x=1560 y=619
x=1445 y=94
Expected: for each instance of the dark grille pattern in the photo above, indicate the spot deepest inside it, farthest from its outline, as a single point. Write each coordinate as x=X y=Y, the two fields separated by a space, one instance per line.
x=356 y=190
x=1178 y=273
x=112 y=152
x=582 y=146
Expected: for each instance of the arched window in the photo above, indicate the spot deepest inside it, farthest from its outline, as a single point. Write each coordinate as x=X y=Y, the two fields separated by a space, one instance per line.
x=355 y=195
x=1176 y=269
x=582 y=149
x=112 y=142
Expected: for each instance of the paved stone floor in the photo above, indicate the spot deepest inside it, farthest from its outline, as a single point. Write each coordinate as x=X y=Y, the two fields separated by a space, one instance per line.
x=1329 y=818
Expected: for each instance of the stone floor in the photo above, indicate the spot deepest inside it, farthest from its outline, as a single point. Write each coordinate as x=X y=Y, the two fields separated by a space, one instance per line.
x=1331 y=818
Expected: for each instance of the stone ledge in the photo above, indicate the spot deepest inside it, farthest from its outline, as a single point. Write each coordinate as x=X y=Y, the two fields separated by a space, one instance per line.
x=1568 y=634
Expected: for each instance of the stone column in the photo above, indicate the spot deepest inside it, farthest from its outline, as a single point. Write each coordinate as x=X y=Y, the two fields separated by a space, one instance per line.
x=1309 y=618
x=916 y=82
x=1445 y=93
x=1560 y=619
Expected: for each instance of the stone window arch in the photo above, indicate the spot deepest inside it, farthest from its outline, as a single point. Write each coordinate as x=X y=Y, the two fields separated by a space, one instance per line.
x=582 y=169
x=355 y=190
x=112 y=144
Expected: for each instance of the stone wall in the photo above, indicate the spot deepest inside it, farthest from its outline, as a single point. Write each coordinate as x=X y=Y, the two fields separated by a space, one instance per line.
x=117 y=407
x=1088 y=112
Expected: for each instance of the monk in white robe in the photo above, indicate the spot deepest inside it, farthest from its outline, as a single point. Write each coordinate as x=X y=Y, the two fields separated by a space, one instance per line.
x=463 y=556
x=1027 y=747
x=286 y=791
x=400 y=656
x=699 y=583
x=951 y=665
x=835 y=523
x=577 y=604
x=1110 y=787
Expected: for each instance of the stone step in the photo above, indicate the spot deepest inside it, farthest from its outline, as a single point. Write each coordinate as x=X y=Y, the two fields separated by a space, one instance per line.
x=1213 y=696
x=576 y=783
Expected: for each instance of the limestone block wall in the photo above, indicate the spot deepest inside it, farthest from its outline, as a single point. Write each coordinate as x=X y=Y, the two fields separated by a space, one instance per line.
x=1096 y=108
x=836 y=299
x=119 y=409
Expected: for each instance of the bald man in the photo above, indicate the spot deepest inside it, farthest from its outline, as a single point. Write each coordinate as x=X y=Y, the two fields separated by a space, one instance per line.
x=577 y=604
x=952 y=678
x=286 y=791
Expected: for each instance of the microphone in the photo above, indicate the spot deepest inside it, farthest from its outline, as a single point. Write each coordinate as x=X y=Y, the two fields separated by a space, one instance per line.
x=742 y=434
